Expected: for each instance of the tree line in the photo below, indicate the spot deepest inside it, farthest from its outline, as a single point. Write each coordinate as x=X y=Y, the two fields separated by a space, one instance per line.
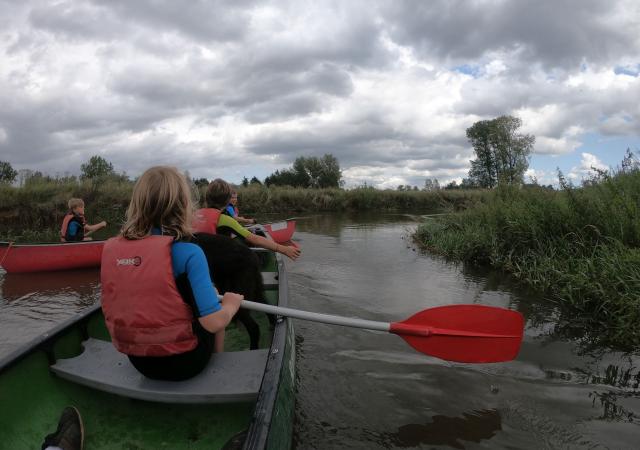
x=501 y=157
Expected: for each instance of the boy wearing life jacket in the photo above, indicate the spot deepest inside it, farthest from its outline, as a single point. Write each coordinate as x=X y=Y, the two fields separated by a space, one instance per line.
x=211 y=220
x=232 y=210
x=159 y=303
x=74 y=226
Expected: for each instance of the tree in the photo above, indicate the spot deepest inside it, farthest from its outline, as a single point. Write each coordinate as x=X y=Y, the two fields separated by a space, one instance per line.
x=309 y=172
x=254 y=180
x=97 y=167
x=452 y=185
x=330 y=173
x=630 y=162
x=200 y=182
x=7 y=173
x=502 y=154
x=431 y=185
x=245 y=182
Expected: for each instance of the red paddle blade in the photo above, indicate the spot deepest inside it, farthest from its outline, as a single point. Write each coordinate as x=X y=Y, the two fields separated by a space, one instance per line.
x=464 y=333
x=281 y=232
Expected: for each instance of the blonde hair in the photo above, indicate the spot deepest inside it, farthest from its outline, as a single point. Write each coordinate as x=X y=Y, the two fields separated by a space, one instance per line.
x=218 y=194
x=161 y=198
x=75 y=203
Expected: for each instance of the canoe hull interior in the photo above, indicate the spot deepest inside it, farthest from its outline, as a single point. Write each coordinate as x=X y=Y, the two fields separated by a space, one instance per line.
x=22 y=258
x=32 y=396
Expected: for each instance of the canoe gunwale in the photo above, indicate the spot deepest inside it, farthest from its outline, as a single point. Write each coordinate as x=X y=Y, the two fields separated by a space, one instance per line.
x=260 y=427
x=50 y=244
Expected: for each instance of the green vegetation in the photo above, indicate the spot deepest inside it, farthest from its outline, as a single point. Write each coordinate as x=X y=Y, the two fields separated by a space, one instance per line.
x=34 y=212
x=581 y=246
x=7 y=173
x=262 y=199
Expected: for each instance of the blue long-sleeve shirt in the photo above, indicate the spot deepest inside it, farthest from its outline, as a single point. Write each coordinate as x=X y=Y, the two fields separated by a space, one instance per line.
x=189 y=258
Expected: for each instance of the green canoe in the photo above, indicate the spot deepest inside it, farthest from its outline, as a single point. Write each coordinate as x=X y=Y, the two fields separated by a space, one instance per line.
x=244 y=399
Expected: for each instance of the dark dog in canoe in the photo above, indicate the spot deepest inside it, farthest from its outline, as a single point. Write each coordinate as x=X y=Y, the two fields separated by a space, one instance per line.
x=236 y=268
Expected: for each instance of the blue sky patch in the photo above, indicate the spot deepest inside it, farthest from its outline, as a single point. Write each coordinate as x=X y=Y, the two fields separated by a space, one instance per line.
x=633 y=71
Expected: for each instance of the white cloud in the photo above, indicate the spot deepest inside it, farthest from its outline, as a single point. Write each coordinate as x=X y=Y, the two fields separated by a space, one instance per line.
x=227 y=88
x=588 y=165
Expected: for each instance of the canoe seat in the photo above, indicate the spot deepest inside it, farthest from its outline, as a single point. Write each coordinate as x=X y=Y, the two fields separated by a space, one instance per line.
x=229 y=377
x=270 y=279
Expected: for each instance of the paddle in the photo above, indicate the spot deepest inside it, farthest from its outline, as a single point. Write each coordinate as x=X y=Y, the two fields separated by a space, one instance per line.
x=461 y=333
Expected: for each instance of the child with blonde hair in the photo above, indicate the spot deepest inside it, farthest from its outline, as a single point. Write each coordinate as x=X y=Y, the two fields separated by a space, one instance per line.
x=74 y=225
x=160 y=305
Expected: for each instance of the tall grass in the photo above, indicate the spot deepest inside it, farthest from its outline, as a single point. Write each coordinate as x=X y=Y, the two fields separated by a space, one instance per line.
x=260 y=199
x=581 y=246
x=34 y=212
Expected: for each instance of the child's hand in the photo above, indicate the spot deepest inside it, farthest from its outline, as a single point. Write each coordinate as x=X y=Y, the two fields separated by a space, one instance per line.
x=103 y=224
x=232 y=300
x=291 y=251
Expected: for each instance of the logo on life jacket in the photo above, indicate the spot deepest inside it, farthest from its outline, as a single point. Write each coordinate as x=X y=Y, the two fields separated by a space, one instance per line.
x=135 y=261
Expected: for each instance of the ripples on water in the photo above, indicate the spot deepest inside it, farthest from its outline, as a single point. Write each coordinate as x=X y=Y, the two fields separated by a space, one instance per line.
x=33 y=303
x=369 y=390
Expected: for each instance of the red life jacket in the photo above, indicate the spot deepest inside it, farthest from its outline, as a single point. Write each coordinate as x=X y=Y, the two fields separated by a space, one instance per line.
x=65 y=227
x=205 y=220
x=143 y=309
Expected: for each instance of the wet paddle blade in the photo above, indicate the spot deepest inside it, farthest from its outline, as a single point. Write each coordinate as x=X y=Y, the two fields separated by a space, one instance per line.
x=464 y=333
x=281 y=232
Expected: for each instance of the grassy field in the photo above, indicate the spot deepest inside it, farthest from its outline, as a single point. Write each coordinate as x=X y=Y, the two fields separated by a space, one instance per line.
x=34 y=213
x=580 y=246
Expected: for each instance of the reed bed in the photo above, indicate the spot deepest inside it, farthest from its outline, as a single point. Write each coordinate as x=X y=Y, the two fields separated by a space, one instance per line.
x=34 y=212
x=580 y=246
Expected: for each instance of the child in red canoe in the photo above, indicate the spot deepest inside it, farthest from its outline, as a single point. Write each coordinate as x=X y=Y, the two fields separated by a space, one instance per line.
x=211 y=220
x=232 y=210
x=74 y=226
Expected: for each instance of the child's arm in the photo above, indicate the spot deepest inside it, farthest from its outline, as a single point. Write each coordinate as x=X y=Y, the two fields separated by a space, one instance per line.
x=245 y=221
x=259 y=241
x=88 y=229
x=217 y=321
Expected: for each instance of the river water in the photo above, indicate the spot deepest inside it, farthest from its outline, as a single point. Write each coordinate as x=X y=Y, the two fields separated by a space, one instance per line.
x=367 y=390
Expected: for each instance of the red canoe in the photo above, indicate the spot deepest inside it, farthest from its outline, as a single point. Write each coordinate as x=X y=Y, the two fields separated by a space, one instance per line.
x=281 y=232
x=17 y=258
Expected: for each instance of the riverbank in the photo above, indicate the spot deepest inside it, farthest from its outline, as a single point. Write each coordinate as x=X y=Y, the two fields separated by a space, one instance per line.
x=33 y=213
x=580 y=246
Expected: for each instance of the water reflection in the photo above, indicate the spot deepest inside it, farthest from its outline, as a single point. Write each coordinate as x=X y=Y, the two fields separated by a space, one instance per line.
x=31 y=303
x=80 y=283
x=332 y=224
x=450 y=431
x=611 y=410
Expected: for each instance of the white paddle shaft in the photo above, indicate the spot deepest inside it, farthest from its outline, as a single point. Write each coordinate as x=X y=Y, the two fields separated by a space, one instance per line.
x=315 y=317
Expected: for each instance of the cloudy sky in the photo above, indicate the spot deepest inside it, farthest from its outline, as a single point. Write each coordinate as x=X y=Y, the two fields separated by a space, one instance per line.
x=234 y=88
